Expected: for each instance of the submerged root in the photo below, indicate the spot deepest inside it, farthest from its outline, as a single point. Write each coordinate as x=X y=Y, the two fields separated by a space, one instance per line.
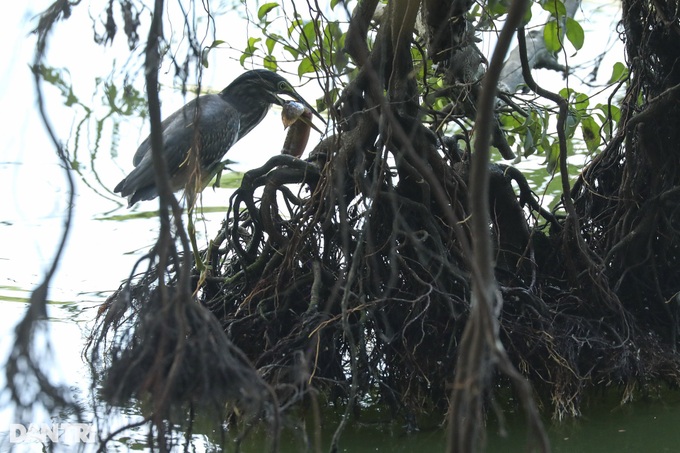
x=170 y=354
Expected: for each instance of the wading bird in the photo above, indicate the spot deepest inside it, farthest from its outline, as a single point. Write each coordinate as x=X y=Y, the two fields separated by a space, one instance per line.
x=212 y=123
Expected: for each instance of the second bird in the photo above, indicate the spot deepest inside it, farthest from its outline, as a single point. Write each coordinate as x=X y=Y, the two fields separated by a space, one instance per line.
x=214 y=122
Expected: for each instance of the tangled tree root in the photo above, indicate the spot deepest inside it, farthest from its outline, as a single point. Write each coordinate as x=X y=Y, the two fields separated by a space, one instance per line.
x=356 y=288
x=362 y=292
x=348 y=273
x=170 y=354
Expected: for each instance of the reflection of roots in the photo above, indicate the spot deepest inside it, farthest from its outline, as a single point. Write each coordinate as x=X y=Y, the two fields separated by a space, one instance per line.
x=162 y=350
x=179 y=351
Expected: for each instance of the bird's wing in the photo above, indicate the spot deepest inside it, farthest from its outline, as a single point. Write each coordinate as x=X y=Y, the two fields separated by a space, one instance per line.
x=169 y=127
x=215 y=117
x=218 y=129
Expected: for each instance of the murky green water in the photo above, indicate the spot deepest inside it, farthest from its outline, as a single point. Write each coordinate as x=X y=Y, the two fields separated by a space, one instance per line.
x=606 y=427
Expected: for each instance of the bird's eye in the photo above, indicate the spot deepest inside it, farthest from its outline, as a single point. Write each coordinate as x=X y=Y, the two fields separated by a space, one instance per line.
x=283 y=86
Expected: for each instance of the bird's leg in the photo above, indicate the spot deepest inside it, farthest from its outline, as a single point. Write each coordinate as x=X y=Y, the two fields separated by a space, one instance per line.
x=206 y=268
x=217 y=171
x=219 y=176
x=201 y=267
x=194 y=245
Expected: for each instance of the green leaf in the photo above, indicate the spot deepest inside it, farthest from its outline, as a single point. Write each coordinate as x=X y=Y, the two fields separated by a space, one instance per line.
x=591 y=133
x=537 y=129
x=293 y=51
x=308 y=35
x=529 y=146
x=264 y=9
x=572 y=121
x=551 y=36
x=511 y=122
x=252 y=41
x=556 y=8
x=270 y=62
x=111 y=91
x=250 y=49
x=498 y=7
x=545 y=144
x=331 y=34
x=54 y=77
x=334 y=3
x=293 y=25
x=575 y=33
x=333 y=95
x=206 y=51
x=270 y=42
x=553 y=157
x=610 y=117
x=566 y=92
x=619 y=72
x=614 y=111
x=581 y=102
x=306 y=66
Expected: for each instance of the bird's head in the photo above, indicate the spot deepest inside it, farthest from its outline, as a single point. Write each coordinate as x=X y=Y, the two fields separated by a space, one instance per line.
x=267 y=86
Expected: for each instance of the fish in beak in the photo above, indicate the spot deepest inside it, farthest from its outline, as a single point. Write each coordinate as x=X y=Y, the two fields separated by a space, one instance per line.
x=293 y=111
x=296 y=111
x=297 y=118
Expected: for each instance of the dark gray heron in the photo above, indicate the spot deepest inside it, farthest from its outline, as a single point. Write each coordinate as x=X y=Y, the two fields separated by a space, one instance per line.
x=214 y=122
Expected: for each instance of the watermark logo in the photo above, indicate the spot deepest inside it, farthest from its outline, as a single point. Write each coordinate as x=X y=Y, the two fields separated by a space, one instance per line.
x=66 y=433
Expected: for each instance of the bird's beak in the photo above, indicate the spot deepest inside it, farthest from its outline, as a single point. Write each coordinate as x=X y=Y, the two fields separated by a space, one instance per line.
x=299 y=99
x=308 y=121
